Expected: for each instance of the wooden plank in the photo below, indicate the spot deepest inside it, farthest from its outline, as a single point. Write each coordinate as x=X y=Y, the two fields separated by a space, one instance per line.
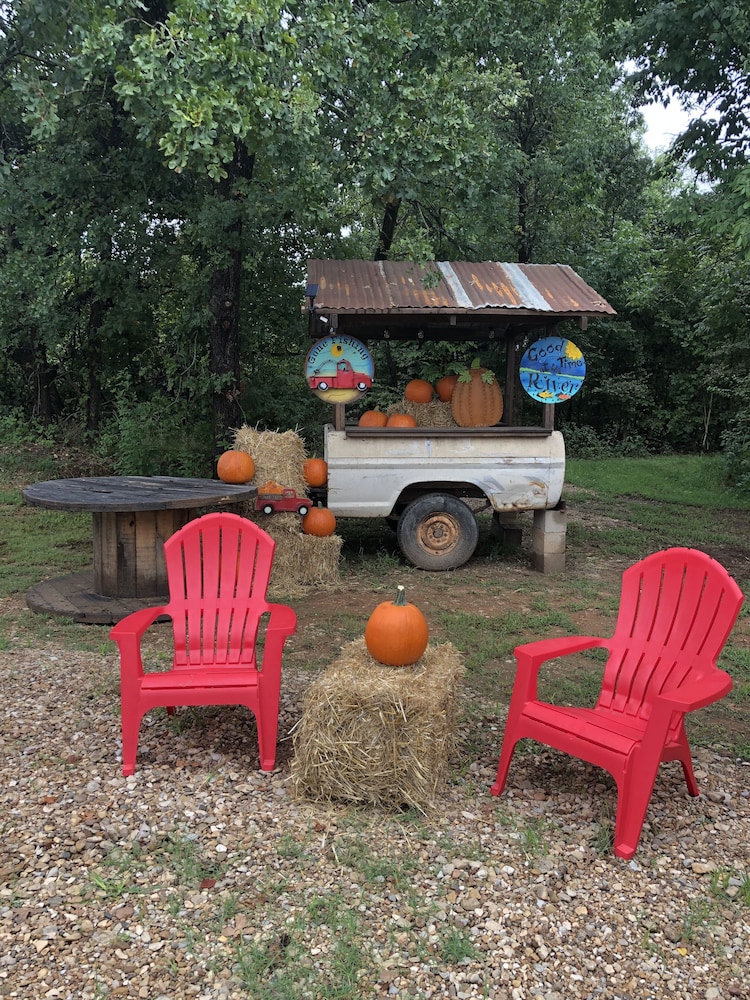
x=145 y=554
x=126 y=556
x=105 y=553
x=74 y=597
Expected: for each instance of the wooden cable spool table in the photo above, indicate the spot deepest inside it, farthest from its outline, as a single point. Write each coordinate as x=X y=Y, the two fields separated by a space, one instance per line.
x=132 y=518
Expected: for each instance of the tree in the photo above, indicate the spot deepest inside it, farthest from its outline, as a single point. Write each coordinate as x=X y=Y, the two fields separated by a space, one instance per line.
x=698 y=52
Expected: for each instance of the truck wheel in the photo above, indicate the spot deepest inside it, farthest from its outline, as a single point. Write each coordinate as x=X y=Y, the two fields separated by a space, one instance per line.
x=267 y=508
x=437 y=531
x=322 y=386
x=302 y=509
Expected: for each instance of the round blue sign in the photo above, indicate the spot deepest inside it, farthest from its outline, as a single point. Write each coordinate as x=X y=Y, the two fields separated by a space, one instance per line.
x=339 y=369
x=552 y=370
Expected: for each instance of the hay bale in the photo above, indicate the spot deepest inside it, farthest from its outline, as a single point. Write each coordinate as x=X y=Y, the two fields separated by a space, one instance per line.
x=278 y=455
x=301 y=562
x=432 y=414
x=376 y=734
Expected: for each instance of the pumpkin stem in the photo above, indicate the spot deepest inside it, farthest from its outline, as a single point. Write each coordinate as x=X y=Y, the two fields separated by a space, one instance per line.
x=400 y=601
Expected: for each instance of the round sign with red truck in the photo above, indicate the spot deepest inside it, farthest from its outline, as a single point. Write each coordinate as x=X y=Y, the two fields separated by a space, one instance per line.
x=339 y=369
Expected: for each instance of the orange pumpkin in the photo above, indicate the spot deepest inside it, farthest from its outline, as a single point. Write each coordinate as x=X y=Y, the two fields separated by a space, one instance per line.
x=373 y=418
x=315 y=471
x=235 y=467
x=445 y=386
x=477 y=400
x=419 y=390
x=319 y=521
x=396 y=633
x=401 y=420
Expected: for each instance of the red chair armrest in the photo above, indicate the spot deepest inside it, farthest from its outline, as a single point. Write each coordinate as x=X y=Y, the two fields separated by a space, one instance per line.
x=534 y=654
x=127 y=633
x=281 y=624
x=531 y=655
x=136 y=623
x=698 y=693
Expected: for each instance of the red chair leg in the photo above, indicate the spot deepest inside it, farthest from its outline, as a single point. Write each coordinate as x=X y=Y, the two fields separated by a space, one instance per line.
x=131 y=724
x=267 y=723
x=506 y=755
x=633 y=797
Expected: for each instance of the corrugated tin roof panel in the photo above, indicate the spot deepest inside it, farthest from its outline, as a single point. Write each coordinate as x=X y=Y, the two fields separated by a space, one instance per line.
x=387 y=287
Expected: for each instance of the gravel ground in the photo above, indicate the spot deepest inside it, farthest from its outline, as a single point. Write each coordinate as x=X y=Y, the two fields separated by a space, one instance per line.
x=199 y=876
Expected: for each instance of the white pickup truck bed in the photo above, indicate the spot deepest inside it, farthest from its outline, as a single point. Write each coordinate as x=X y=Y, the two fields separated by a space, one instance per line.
x=418 y=476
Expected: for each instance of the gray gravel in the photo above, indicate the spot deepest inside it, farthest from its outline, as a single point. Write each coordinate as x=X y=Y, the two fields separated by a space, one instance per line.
x=201 y=877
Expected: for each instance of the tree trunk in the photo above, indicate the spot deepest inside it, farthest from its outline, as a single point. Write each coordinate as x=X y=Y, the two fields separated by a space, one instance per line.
x=224 y=306
x=387 y=230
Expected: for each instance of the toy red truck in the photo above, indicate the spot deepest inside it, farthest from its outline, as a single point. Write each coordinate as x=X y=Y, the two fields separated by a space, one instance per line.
x=344 y=378
x=275 y=498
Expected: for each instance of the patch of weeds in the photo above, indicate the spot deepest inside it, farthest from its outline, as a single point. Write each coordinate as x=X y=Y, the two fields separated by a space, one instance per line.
x=113 y=888
x=278 y=968
x=533 y=840
x=648 y=944
x=455 y=946
x=183 y=855
x=287 y=846
x=744 y=888
x=230 y=906
x=728 y=884
x=374 y=867
x=700 y=915
x=604 y=838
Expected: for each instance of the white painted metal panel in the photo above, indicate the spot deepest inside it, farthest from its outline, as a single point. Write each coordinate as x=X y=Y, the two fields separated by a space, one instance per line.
x=366 y=476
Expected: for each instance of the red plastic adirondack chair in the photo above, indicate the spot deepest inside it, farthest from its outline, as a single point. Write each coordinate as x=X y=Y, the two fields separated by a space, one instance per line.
x=677 y=609
x=218 y=568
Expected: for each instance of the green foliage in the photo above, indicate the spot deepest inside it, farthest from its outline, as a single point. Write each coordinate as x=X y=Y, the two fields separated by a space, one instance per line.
x=158 y=437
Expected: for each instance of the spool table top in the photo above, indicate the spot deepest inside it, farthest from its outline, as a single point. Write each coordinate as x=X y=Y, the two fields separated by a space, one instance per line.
x=132 y=493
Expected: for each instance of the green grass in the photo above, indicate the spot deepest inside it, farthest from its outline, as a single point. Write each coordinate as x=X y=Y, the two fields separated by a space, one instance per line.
x=689 y=480
x=38 y=544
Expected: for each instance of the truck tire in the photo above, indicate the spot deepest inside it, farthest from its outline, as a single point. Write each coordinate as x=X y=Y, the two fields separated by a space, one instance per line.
x=437 y=531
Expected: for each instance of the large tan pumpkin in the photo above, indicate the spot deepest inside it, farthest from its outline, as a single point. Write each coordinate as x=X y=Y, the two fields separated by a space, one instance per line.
x=477 y=400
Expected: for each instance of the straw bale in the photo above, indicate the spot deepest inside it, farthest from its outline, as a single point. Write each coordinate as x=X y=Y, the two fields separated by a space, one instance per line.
x=432 y=414
x=278 y=455
x=301 y=562
x=376 y=734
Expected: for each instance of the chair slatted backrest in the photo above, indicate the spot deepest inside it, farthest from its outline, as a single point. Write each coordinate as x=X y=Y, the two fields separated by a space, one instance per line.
x=218 y=567
x=677 y=608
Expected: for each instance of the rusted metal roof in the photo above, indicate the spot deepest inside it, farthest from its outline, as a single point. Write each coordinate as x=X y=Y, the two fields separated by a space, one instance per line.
x=456 y=287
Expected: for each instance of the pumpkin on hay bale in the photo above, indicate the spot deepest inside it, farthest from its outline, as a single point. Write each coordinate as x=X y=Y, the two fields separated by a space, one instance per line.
x=374 y=734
